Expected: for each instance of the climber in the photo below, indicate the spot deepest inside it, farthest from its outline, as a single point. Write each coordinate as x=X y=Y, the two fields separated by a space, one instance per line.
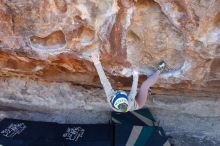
x=119 y=100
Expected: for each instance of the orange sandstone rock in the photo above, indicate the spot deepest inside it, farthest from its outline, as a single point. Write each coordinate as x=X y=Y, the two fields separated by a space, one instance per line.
x=48 y=40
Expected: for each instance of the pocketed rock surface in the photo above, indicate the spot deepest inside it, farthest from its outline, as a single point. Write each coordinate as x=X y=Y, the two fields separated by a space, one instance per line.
x=45 y=70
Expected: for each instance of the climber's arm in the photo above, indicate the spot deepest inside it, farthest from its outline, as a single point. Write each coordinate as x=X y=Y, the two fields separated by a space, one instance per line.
x=133 y=92
x=104 y=80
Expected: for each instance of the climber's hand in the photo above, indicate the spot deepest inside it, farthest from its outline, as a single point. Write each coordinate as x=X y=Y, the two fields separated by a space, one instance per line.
x=95 y=57
x=135 y=72
x=128 y=72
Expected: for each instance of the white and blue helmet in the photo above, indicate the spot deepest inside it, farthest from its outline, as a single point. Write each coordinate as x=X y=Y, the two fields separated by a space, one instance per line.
x=120 y=101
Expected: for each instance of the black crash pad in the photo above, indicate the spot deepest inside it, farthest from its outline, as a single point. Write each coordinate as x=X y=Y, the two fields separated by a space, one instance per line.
x=30 y=133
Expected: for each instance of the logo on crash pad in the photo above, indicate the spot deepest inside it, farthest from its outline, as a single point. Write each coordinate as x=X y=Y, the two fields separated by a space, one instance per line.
x=13 y=129
x=73 y=133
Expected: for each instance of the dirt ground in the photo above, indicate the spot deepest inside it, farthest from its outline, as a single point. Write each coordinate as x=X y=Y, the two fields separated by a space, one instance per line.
x=189 y=120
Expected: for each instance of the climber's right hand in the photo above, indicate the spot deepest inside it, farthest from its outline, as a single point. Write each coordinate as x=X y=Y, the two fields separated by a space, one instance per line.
x=95 y=57
x=135 y=72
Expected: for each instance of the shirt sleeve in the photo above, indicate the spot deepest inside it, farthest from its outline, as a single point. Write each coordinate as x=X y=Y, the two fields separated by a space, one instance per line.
x=104 y=80
x=133 y=106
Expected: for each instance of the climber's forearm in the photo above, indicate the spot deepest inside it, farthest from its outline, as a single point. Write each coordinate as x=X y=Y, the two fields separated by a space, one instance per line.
x=133 y=91
x=104 y=80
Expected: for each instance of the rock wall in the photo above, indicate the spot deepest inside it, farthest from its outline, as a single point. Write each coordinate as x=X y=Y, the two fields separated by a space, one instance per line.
x=45 y=73
x=192 y=121
x=50 y=40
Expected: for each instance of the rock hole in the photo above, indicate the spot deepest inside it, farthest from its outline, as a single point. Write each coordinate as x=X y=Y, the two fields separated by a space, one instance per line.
x=84 y=35
x=61 y=5
x=216 y=21
x=133 y=36
x=54 y=41
x=87 y=35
